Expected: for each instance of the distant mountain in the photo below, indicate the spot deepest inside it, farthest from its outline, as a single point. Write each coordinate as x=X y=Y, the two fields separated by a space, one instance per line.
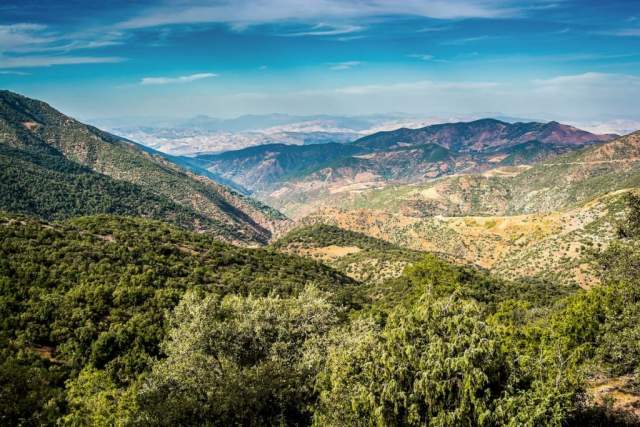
x=259 y=167
x=559 y=182
x=482 y=135
x=55 y=167
x=294 y=178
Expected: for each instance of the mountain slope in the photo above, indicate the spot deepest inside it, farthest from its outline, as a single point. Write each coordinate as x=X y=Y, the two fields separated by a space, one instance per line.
x=552 y=245
x=402 y=153
x=357 y=255
x=96 y=292
x=260 y=166
x=52 y=187
x=535 y=221
x=35 y=129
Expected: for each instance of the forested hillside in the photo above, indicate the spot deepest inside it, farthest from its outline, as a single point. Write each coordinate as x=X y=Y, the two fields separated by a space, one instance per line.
x=93 y=293
x=114 y=321
x=50 y=159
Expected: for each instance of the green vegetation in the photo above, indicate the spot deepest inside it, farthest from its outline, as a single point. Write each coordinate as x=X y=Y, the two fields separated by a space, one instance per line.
x=94 y=292
x=240 y=361
x=116 y=321
x=320 y=235
x=128 y=321
x=435 y=363
x=51 y=187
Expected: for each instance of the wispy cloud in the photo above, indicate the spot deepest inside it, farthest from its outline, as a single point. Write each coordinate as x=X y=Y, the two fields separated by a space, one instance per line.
x=589 y=79
x=249 y=12
x=37 y=38
x=17 y=36
x=624 y=32
x=13 y=73
x=434 y=29
x=47 y=61
x=422 y=85
x=350 y=38
x=421 y=56
x=173 y=80
x=326 y=30
x=463 y=41
x=36 y=45
x=347 y=65
x=558 y=58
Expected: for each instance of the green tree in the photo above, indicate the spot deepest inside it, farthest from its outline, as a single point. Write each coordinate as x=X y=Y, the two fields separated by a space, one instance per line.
x=95 y=400
x=239 y=360
x=436 y=363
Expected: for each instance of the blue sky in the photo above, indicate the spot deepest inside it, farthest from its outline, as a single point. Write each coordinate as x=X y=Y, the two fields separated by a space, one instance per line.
x=546 y=58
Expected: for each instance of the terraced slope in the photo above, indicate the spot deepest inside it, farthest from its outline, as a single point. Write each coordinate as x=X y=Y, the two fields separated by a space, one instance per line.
x=58 y=155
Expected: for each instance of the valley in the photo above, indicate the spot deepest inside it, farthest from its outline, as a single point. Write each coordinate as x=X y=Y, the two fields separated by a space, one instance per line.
x=125 y=272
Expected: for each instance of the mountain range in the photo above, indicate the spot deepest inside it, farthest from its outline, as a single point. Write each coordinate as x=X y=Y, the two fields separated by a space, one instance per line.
x=284 y=175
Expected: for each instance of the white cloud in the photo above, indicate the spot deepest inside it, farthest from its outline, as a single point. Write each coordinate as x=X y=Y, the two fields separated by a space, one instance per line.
x=34 y=38
x=434 y=29
x=16 y=36
x=349 y=38
x=339 y=66
x=172 y=80
x=47 y=61
x=35 y=45
x=14 y=73
x=463 y=41
x=247 y=12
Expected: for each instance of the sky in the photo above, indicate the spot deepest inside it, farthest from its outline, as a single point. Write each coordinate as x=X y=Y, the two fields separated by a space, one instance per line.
x=564 y=59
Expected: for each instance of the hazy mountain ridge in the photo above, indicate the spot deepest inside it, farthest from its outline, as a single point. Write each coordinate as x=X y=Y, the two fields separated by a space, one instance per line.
x=483 y=135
